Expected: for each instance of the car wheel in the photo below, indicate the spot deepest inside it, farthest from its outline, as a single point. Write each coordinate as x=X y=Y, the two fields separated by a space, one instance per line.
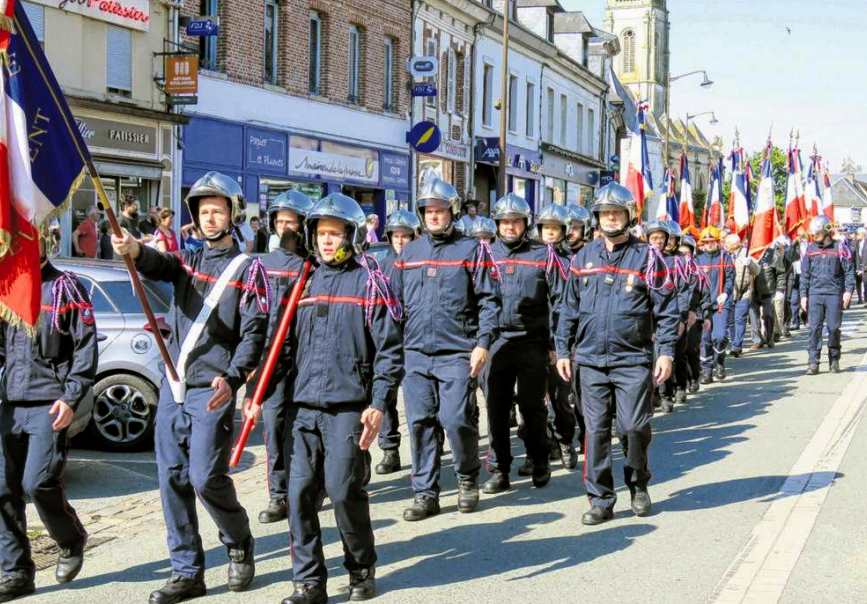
x=124 y=413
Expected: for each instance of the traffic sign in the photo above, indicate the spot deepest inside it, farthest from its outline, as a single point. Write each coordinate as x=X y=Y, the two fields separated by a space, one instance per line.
x=203 y=27
x=424 y=89
x=424 y=137
x=423 y=67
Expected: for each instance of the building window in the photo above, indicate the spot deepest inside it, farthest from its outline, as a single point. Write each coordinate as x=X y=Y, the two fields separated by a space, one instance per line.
x=388 y=65
x=431 y=52
x=531 y=117
x=36 y=16
x=314 y=77
x=564 y=113
x=628 y=51
x=208 y=44
x=354 y=64
x=550 y=130
x=272 y=16
x=550 y=22
x=118 y=60
x=591 y=132
x=461 y=77
x=513 y=103
x=579 y=129
x=452 y=78
x=487 y=96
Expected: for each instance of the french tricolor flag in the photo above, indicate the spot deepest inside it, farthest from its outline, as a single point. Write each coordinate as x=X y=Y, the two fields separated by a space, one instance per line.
x=42 y=162
x=812 y=190
x=666 y=208
x=739 y=201
x=637 y=177
x=764 y=224
x=687 y=209
x=715 y=216
x=827 y=197
x=796 y=214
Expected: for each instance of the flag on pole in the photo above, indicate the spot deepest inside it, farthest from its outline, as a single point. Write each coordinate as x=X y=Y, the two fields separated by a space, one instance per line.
x=667 y=208
x=796 y=214
x=713 y=214
x=827 y=195
x=687 y=209
x=764 y=223
x=42 y=163
x=637 y=177
x=739 y=205
x=813 y=190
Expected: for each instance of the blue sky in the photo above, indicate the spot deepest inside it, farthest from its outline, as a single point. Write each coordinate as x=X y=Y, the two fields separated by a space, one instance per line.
x=813 y=79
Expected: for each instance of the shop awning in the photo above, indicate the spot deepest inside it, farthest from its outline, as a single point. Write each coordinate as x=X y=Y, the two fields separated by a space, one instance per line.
x=141 y=169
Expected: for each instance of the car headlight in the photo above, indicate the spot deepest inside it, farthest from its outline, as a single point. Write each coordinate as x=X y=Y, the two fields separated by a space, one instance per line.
x=140 y=343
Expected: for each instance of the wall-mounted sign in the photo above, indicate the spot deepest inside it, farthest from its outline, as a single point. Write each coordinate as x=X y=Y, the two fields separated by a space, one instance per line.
x=423 y=67
x=606 y=177
x=134 y=14
x=266 y=150
x=203 y=26
x=424 y=137
x=109 y=134
x=182 y=74
x=332 y=166
x=395 y=170
x=424 y=89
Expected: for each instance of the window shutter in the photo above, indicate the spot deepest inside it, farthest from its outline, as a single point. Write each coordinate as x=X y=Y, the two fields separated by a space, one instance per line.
x=119 y=58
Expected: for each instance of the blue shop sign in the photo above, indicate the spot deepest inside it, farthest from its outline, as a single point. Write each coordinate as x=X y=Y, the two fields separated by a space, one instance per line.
x=394 y=171
x=266 y=150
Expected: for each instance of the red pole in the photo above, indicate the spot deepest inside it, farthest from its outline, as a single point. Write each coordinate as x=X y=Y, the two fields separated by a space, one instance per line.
x=271 y=360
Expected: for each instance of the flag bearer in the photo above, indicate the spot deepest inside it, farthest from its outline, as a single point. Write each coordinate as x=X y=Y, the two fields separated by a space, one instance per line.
x=720 y=273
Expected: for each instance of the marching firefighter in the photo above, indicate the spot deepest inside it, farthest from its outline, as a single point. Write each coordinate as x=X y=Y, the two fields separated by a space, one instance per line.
x=283 y=265
x=218 y=324
x=484 y=229
x=719 y=271
x=401 y=227
x=827 y=283
x=452 y=309
x=699 y=305
x=520 y=352
x=43 y=378
x=347 y=366
x=615 y=305
x=580 y=230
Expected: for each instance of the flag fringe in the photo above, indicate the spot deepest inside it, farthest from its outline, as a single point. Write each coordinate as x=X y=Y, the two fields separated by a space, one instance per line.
x=5 y=242
x=73 y=189
x=7 y=23
x=7 y=315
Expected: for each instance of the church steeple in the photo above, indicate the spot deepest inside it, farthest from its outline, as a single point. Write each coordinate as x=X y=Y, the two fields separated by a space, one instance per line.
x=642 y=65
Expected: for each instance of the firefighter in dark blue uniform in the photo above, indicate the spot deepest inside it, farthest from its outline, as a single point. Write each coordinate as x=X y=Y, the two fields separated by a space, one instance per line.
x=614 y=298
x=452 y=307
x=216 y=344
x=720 y=273
x=283 y=265
x=42 y=381
x=347 y=366
x=401 y=227
x=521 y=351
x=699 y=304
x=827 y=283
x=484 y=229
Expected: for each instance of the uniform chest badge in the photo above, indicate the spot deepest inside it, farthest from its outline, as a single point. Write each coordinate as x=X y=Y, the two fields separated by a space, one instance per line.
x=510 y=269
x=431 y=271
x=588 y=265
x=630 y=282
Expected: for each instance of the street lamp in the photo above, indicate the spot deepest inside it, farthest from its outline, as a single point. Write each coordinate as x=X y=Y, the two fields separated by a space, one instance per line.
x=713 y=120
x=705 y=83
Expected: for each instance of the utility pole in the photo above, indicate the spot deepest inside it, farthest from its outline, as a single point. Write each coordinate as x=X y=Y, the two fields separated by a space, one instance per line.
x=505 y=101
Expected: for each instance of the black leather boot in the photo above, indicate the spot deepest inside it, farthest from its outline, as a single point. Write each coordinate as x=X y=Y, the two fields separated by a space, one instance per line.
x=275 y=512
x=640 y=501
x=468 y=495
x=69 y=562
x=597 y=515
x=568 y=456
x=541 y=475
x=15 y=586
x=422 y=507
x=835 y=366
x=497 y=483
x=242 y=567
x=178 y=589
x=527 y=468
x=307 y=593
x=390 y=462
x=362 y=584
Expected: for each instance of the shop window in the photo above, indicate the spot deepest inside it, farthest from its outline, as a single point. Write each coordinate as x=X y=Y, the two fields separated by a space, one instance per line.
x=119 y=60
x=315 y=67
x=354 y=64
x=36 y=16
x=531 y=113
x=488 y=96
x=208 y=44
x=272 y=16
x=388 y=66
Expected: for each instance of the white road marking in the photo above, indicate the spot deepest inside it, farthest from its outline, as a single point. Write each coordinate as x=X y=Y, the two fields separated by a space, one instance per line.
x=761 y=569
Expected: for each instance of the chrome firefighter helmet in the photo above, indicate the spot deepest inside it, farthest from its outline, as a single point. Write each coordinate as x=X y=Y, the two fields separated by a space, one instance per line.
x=340 y=207
x=215 y=184
x=436 y=192
x=579 y=215
x=674 y=229
x=553 y=214
x=292 y=200
x=483 y=227
x=689 y=241
x=512 y=205
x=820 y=224
x=402 y=219
x=657 y=227
x=614 y=196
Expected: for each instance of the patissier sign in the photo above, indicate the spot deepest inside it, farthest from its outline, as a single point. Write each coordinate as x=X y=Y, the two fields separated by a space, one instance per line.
x=134 y=14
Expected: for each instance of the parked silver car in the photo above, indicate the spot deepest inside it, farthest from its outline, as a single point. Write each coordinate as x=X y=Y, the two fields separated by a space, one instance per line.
x=125 y=394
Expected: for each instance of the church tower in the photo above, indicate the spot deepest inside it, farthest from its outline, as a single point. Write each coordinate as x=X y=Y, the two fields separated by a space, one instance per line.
x=642 y=27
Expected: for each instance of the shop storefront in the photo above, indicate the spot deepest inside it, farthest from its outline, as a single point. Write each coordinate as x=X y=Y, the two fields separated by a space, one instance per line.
x=568 y=176
x=133 y=158
x=523 y=171
x=267 y=162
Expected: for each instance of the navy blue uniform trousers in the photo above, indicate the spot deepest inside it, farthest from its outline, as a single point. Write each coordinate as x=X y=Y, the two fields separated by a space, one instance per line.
x=324 y=458
x=742 y=311
x=715 y=340
x=33 y=458
x=824 y=309
x=274 y=432
x=389 y=433
x=625 y=391
x=438 y=392
x=192 y=451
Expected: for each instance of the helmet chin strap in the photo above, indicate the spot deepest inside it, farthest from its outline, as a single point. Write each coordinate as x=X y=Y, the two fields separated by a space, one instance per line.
x=218 y=236
x=615 y=233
